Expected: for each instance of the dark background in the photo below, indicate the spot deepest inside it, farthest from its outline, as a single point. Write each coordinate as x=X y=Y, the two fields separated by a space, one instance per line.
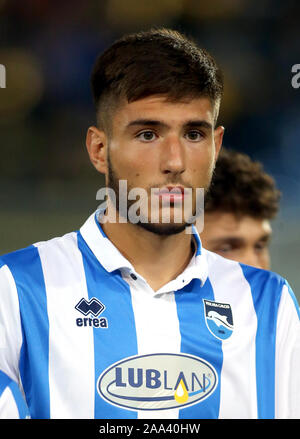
x=48 y=186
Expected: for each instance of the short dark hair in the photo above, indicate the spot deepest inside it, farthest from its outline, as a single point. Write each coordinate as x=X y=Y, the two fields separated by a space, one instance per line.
x=158 y=61
x=242 y=187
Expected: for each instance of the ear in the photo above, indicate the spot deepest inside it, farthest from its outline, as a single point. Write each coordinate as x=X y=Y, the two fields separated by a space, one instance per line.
x=96 y=144
x=218 y=137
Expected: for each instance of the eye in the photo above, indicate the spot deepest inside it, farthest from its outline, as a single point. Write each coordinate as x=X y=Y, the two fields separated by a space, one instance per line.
x=146 y=136
x=225 y=248
x=194 y=135
x=260 y=246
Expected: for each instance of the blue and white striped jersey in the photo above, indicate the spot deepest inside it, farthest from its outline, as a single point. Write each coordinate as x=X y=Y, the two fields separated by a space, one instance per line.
x=12 y=403
x=86 y=337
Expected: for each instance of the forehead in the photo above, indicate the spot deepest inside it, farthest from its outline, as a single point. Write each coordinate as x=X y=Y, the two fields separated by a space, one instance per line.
x=158 y=107
x=221 y=224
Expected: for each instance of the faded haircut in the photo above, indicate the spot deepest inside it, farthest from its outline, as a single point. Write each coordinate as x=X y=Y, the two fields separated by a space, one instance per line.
x=158 y=61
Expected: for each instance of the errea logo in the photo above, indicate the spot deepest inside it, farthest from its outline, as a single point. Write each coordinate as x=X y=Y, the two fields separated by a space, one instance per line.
x=91 y=309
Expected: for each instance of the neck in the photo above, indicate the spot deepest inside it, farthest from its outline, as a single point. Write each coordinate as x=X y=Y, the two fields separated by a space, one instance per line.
x=157 y=258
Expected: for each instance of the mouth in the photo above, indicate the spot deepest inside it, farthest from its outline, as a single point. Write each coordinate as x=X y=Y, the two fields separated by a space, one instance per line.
x=171 y=194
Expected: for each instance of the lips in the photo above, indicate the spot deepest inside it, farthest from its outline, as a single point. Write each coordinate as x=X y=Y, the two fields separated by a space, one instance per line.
x=172 y=194
x=176 y=190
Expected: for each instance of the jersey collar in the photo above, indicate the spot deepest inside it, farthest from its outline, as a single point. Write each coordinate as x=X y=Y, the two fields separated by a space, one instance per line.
x=111 y=258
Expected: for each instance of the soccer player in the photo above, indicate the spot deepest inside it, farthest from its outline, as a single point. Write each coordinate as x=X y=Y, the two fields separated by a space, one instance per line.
x=12 y=403
x=130 y=317
x=239 y=206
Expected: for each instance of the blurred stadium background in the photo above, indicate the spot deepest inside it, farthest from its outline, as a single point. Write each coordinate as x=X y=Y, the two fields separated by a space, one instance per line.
x=48 y=186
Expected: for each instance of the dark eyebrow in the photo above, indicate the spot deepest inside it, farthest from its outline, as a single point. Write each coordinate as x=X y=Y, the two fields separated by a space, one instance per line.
x=145 y=122
x=266 y=237
x=227 y=239
x=198 y=124
x=188 y=124
x=237 y=240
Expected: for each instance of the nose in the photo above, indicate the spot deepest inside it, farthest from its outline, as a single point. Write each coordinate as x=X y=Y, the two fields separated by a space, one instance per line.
x=172 y=156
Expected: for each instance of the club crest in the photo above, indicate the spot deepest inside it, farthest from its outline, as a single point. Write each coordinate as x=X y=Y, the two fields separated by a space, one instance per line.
x=218 y=318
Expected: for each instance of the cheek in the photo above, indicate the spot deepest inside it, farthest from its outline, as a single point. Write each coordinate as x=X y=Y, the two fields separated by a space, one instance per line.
x=203 y=161
x=265 y=260
x=201 y=172
x=135 y=169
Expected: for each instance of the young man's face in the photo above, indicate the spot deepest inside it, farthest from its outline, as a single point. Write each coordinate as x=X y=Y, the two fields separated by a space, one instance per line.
x=166 y=145
x=243 y=239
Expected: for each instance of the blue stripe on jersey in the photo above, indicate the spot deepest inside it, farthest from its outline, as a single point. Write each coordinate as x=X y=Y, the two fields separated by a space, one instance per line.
x=35 y=328
x=266 y=290
x=190 y=309
x=197 y=239
x=19 y=400
x=4 y=381
x=115 y=294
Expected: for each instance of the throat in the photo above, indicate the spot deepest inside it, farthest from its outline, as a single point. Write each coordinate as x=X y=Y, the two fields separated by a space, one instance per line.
x=158 y=259
x=160 y=268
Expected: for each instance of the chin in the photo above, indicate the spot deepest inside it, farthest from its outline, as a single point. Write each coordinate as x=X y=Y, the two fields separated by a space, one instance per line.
x=163 y=229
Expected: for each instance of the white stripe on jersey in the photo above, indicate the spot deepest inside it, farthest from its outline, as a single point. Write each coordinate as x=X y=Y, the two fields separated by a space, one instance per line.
x=73 y=355
x=241 y=345
x=8 y=406
x=11 y=338
x=157 y=329
x=287 y=360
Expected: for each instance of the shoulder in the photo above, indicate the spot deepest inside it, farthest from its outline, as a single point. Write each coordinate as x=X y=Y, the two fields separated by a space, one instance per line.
x=266 y=292
x=28 y=256
x=24 y=269
x=240 y=276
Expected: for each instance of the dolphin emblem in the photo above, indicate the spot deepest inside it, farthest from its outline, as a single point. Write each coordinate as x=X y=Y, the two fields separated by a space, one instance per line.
x=219 y=319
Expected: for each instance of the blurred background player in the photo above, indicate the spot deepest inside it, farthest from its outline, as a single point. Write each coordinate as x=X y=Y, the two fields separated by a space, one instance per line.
x=239 y=207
